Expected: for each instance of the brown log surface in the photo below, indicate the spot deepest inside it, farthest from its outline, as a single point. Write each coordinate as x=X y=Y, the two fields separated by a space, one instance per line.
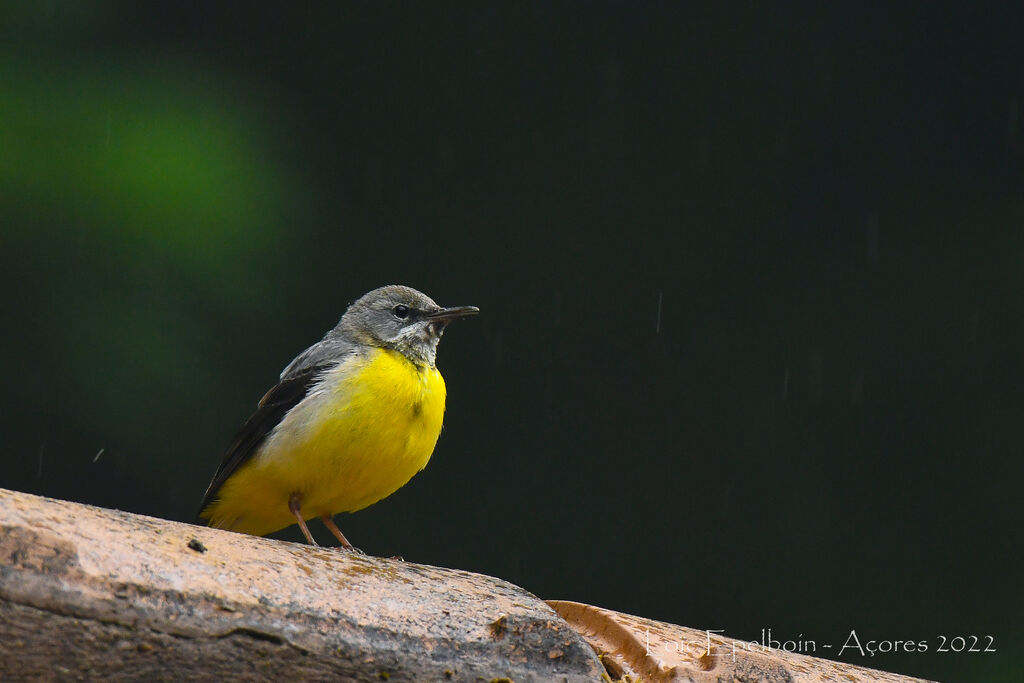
x=653 y=651
x=88 y=593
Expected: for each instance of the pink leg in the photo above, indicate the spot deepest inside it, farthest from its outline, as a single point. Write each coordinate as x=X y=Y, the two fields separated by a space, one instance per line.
x=329 y=523
x=293 y=505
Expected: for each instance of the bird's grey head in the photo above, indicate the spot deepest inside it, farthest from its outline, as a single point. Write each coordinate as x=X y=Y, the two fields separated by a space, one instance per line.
x=400 y=318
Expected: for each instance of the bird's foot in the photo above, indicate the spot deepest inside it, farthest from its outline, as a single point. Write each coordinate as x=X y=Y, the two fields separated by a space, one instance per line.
x=350 y=549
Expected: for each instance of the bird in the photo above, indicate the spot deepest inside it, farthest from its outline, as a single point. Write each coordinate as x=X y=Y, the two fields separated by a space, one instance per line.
x=353 y=418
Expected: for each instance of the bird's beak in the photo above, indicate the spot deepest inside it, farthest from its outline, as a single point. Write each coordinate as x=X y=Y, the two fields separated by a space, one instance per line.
x=448 y=314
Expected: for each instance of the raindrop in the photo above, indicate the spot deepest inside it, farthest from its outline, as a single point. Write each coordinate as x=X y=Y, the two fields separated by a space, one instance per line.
x=657 y=322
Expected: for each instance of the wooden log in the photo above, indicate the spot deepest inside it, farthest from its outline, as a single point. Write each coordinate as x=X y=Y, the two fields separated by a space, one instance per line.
x=88 y=593
x=644 y=649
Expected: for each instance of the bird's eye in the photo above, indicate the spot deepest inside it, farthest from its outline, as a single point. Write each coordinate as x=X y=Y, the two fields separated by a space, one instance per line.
x=401 y=311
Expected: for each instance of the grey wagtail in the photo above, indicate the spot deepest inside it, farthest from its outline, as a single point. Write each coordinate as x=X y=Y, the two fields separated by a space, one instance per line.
x=353 y=418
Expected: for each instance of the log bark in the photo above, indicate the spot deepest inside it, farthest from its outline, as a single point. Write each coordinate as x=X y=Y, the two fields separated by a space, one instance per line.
x=88 y=593
x=653 y=651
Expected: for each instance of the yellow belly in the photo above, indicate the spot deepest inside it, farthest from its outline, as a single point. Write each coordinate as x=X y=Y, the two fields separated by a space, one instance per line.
x=361 y=436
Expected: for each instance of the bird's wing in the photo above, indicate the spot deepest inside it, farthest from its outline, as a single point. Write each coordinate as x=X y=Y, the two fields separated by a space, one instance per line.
x=298 y=378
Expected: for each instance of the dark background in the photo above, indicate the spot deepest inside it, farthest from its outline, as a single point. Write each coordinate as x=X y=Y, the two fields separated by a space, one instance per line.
x=751 y=281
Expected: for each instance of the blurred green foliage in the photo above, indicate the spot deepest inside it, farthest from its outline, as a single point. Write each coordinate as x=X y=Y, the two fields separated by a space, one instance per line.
x=139 y=202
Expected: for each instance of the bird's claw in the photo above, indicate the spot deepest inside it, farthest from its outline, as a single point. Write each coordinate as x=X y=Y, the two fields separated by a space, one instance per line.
x=351 y=549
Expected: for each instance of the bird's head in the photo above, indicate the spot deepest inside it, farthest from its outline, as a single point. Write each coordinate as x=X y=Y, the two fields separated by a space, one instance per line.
x=400 y=318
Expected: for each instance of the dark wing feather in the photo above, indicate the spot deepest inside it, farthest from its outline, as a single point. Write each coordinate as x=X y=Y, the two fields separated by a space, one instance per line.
x=273 y=407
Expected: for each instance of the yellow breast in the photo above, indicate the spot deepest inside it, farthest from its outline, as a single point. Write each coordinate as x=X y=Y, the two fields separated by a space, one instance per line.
x=362 y=434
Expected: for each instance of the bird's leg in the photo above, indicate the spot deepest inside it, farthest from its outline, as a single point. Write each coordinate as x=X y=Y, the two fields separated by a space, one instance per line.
x=293 y=505
x=329 y=523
